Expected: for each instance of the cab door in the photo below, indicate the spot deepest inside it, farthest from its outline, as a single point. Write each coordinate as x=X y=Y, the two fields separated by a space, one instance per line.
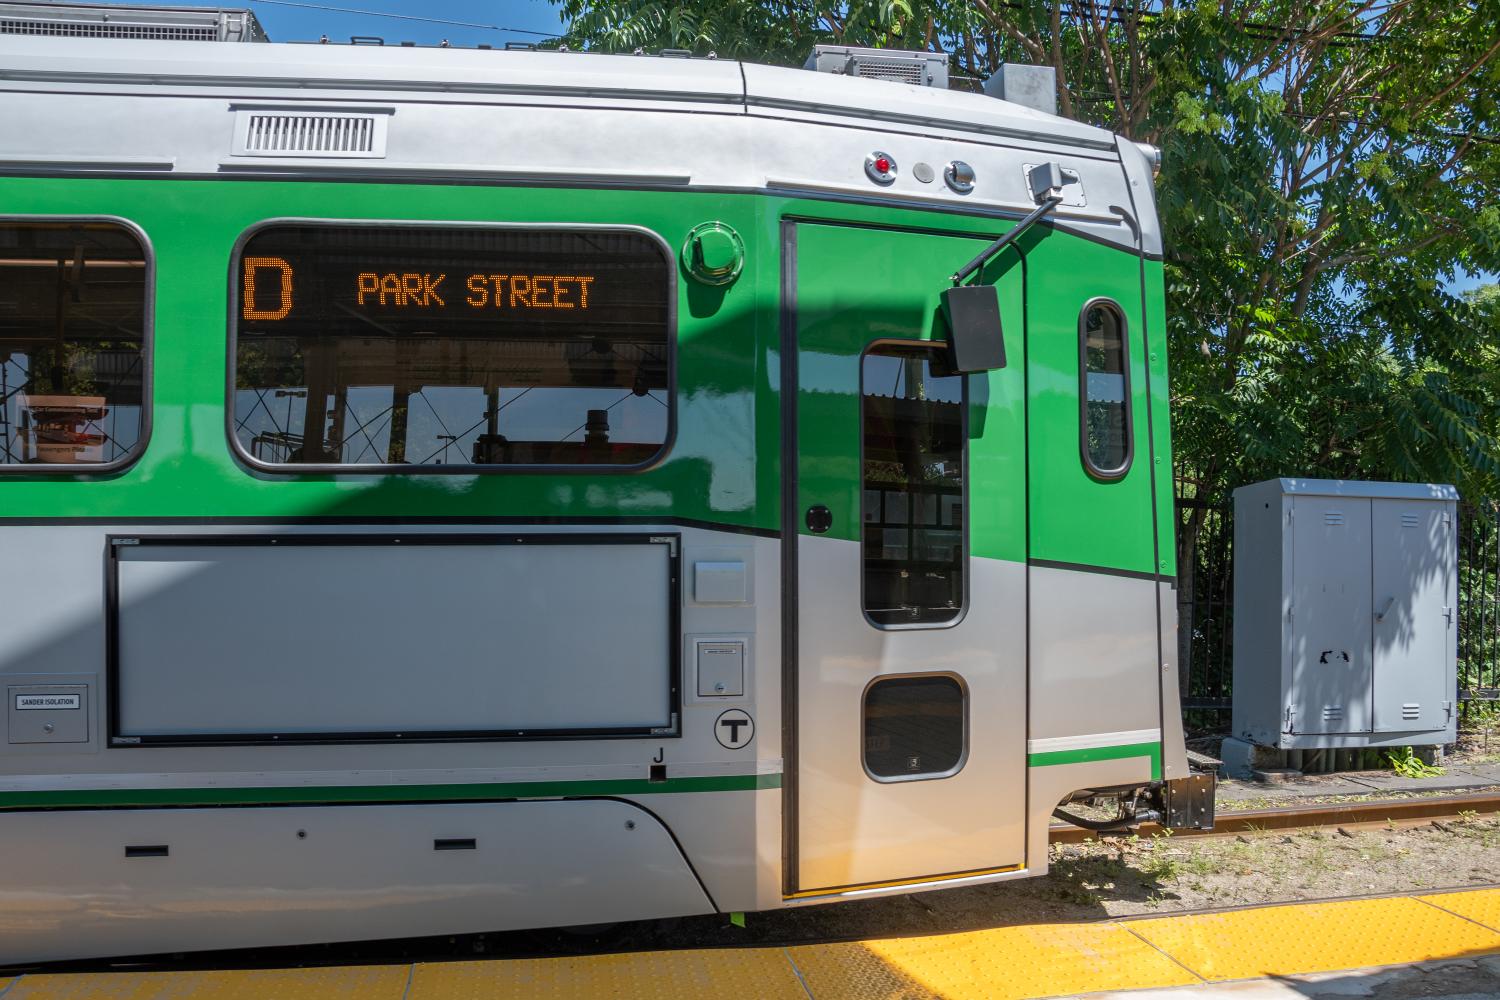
x=906 y=576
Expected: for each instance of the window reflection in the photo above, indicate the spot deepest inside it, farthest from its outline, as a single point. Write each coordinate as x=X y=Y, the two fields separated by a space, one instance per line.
x=913 y=489
x=1106 y=413
x=72 y=343
x=914 y=727
x=439 y=346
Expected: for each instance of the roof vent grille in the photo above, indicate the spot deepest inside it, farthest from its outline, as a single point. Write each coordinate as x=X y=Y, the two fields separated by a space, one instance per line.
x=163 y=24
x=901 y=71
x=305 y=133
x=62 y=29
x=922 y=69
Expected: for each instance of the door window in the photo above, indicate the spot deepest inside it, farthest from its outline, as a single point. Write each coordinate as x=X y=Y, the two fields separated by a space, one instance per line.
x=912 y=426
x=914 y=727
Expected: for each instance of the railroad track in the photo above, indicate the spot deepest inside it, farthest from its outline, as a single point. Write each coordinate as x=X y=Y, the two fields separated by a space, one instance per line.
x=1380 y=812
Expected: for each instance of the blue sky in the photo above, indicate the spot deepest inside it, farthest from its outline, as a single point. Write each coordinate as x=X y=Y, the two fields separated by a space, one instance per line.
x=306 y=20
x=1465 y=282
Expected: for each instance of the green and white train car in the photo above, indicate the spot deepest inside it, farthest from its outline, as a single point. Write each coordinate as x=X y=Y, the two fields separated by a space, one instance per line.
x=455 y=490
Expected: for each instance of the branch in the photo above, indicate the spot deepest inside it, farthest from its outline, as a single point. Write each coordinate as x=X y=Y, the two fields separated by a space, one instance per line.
x=1032 y=46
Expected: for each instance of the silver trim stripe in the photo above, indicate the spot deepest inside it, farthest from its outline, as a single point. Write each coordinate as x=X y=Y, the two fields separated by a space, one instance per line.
x=1093 y=741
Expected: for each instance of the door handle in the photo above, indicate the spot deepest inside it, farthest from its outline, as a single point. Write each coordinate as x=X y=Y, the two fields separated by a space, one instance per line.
x=819 y=519
x=1380 y=615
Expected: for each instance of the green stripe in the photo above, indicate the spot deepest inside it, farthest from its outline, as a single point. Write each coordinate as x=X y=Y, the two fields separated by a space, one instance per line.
x=345 y=794
x=1052 y=757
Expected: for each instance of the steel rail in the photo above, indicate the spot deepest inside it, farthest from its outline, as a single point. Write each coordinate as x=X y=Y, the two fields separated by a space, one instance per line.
x=1334 y=814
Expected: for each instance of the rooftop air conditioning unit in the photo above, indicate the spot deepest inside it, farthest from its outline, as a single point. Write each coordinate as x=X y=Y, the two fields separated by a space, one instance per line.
x=925 y=69
x=172 y=24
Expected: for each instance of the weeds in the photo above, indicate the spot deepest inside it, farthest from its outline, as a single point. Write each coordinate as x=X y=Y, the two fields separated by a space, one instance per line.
x=1406 y=763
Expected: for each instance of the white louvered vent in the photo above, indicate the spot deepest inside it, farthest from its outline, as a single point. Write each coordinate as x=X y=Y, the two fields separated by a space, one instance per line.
x=310 y=133
x=1411 y=521
x=1333 y=713
x=1333 y=517
x=1411 y=710
x=899 y=70
x=118 y=20
x=64 y=29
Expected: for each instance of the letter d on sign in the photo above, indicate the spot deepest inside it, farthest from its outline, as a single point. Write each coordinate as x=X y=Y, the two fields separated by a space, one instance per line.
x=253 y=264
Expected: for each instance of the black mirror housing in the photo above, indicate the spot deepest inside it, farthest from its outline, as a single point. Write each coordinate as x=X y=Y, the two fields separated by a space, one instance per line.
x=976 y=341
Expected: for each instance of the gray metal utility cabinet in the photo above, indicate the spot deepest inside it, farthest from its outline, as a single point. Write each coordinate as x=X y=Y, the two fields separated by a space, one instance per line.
x=1344 y=614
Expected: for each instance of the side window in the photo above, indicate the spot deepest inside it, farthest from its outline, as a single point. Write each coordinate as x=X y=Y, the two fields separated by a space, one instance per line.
x=415 y=348
x=915 y=727
x=74 y=357
x=914 y=510
x=1104 y=390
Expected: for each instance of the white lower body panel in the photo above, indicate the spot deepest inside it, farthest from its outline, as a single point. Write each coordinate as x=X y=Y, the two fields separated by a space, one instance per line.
x=257 y=877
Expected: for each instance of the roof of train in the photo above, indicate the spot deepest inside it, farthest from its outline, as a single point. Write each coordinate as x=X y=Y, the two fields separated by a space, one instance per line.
x=724 y=85
x=141 y=106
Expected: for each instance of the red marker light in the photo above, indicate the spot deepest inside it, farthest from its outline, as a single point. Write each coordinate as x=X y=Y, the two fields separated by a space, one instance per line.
x=880 y=167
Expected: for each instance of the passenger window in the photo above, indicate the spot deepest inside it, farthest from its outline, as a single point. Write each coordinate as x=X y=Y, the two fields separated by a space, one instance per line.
x=1105 y=391
x=914 y=546
x=74 y=364
x=914 y=727
x=419 y=348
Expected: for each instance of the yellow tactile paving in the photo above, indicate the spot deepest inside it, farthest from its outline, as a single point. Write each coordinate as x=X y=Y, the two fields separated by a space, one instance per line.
x=759 y=973
x=1479 y=905
x=1007 y=962
x=350 y=983
x=1314 y=937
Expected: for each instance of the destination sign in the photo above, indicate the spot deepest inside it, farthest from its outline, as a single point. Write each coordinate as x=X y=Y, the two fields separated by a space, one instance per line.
x=309 y=280
x=269 y=290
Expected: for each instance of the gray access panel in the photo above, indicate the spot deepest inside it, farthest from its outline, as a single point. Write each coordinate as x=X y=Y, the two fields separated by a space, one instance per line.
x=48 y=713
x=44 y=710
x=1344 y=625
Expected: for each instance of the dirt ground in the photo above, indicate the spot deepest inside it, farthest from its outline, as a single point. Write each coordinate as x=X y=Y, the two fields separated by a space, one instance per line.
x=1272 y=801
x=1478 y=742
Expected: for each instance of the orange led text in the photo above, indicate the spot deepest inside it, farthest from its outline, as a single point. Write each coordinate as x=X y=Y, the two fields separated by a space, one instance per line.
x=400 y=289
x=254 y=265
x=529 y=291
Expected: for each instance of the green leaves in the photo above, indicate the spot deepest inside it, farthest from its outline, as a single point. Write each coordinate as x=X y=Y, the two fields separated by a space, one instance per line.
x=1330 y=164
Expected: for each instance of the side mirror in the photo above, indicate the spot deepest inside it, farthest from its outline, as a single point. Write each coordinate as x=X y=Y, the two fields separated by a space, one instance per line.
x=976 y=342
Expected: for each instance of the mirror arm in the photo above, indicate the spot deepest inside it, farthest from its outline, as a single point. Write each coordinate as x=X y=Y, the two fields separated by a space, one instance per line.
x=1051 y=202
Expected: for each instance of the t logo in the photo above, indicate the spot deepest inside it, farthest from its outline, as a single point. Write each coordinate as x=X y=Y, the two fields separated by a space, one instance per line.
x=734 y=729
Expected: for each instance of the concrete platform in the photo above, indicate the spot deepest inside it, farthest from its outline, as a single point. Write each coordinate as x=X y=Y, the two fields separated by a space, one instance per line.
x=1301 y=949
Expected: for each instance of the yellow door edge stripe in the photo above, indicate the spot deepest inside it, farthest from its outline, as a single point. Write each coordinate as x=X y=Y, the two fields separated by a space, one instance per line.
x=897 y=883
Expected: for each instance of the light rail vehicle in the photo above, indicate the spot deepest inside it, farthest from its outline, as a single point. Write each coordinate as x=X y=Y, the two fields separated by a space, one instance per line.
x=449 y=491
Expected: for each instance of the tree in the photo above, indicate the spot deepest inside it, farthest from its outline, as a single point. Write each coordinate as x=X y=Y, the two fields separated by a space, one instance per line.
x=1329 y=165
